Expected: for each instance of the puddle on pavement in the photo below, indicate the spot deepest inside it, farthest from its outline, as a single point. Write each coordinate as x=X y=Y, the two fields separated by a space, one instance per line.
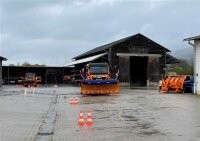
x=149 y=132
x=129 y=118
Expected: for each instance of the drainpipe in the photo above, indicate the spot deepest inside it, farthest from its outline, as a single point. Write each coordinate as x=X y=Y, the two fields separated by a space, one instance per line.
x=195 y=83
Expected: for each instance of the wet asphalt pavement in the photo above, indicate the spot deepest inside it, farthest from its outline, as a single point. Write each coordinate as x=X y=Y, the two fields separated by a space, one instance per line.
x=44 y=113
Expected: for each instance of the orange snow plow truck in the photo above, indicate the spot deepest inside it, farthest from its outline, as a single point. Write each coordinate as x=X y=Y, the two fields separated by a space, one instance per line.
x=30 y=80
x=96 y=80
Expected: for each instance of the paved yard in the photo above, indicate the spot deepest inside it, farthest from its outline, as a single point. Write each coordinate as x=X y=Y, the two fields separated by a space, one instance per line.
x=133 y=115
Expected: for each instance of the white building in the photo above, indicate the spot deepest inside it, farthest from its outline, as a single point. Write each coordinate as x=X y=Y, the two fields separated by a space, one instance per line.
x=196 y=44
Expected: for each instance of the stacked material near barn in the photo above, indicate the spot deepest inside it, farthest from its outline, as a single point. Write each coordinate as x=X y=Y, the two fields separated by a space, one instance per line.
x=179 y=84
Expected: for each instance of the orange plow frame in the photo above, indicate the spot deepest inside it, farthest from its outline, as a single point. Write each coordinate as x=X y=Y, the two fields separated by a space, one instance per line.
x=100 y=88
x=173 y=83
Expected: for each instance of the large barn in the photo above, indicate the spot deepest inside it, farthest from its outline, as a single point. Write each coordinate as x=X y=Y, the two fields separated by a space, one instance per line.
x=141 y=61
x=196 y=46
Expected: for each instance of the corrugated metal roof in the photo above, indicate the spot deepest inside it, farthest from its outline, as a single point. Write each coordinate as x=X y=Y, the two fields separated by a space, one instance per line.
x=171 y=60
x=192 y=38
x=110 y=45
x=88 y=59
x=2 y=58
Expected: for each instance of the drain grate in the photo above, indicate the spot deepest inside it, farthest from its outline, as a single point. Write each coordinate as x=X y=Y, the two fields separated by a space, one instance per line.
x=47 y=127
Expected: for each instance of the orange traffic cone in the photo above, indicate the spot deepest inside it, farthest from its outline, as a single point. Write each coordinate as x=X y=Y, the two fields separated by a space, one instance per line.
x=75 y=100
x=81 y=120
x=71 y=101
x=89 y=118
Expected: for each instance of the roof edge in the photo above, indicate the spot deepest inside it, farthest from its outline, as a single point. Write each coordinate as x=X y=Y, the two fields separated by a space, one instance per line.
x=192 y=38
x=3 y=58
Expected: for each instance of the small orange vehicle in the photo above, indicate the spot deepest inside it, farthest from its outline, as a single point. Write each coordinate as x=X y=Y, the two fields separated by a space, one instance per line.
x=39 y=79
x=20 y=80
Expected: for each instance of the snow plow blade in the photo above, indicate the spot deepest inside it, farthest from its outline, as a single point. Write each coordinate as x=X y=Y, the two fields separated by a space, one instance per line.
x=99 y=87
x=179 y=84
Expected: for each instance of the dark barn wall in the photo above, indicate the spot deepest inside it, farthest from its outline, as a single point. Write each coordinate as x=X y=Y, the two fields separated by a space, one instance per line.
x=153 y=74
x=54 y=76
x=50 y=75
x=162 y=62
x=114 y=61
x=124 y=69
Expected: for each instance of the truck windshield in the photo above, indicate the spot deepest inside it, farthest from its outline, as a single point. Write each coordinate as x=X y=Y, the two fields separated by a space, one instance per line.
x=98 y=70
x=30 y=75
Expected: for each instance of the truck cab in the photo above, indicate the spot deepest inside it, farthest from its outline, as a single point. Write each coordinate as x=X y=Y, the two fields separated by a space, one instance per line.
x=97 y=71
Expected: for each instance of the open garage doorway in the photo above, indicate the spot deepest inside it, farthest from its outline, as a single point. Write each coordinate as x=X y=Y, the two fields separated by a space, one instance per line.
x=138 y=71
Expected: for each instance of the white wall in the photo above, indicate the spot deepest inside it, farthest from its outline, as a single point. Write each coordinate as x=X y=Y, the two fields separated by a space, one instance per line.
x=197 y=66
x=1 y=72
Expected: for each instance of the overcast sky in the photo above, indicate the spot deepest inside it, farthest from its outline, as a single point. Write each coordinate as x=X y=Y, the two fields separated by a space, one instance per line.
x=52 y=32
